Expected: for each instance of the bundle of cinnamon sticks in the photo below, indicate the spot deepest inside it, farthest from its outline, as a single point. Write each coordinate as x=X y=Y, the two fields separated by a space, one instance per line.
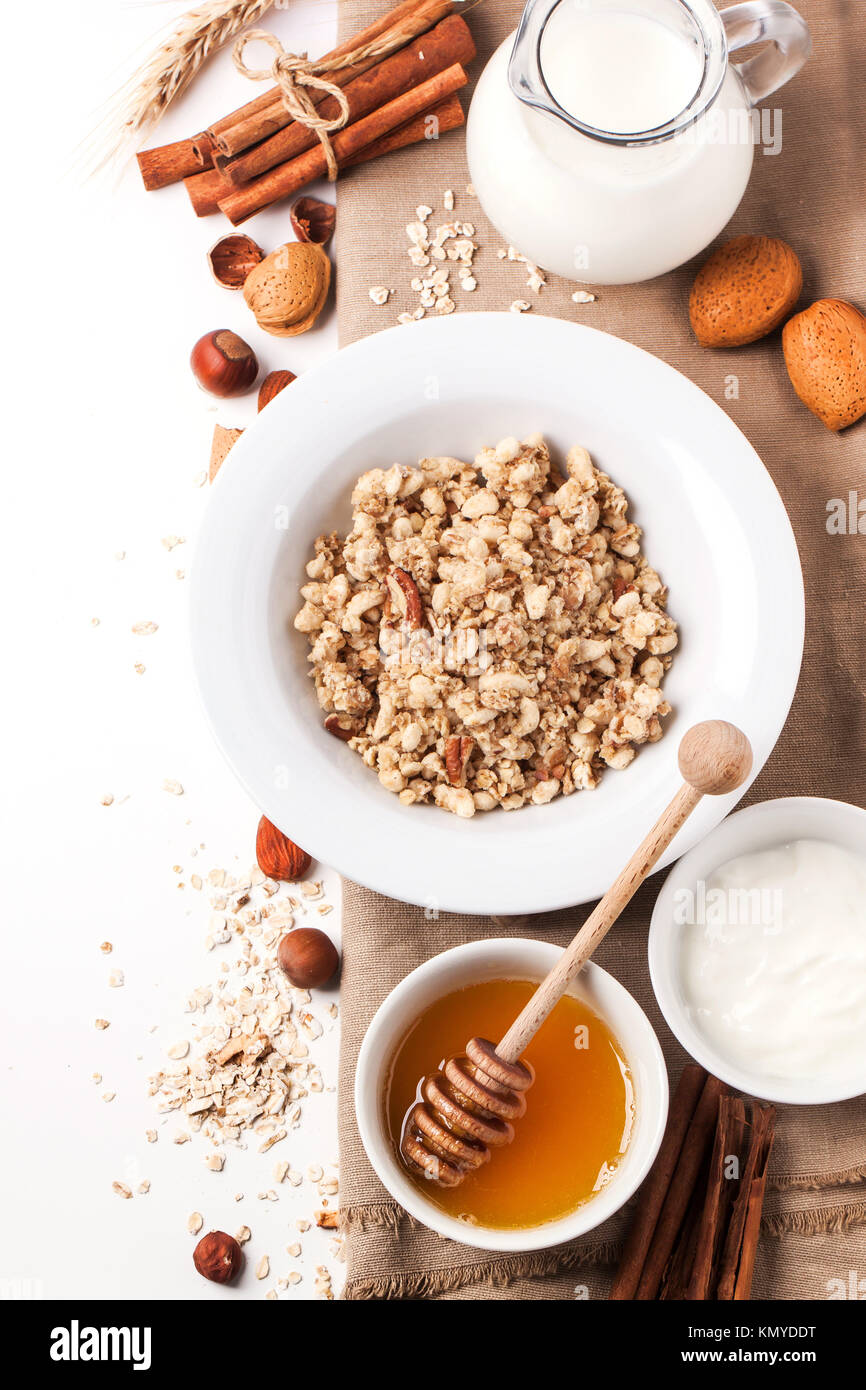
x=698 y=1218
x=258 y=155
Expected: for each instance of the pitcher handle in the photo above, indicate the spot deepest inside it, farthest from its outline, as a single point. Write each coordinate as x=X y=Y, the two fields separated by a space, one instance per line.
x=787 y=33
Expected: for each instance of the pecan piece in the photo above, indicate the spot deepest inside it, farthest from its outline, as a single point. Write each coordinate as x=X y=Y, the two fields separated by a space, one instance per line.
x=458 y=751
x=406 y=600
x=333 y=726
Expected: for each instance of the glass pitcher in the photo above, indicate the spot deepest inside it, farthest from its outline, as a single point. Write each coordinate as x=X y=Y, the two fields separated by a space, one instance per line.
x=611 y=140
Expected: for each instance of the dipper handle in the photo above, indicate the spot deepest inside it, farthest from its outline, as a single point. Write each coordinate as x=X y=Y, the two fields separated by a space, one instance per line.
x=714 y=758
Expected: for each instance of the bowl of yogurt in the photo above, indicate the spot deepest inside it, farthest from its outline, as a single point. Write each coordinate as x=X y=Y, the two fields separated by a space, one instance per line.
x=757 y=951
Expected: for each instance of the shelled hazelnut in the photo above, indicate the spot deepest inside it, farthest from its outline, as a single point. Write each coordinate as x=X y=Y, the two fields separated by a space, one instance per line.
x=308 y=957
x=218 y=1257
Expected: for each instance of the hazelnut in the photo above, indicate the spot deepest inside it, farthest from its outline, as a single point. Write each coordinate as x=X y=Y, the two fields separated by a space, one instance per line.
x=313 y=220
x=223 y=363
x=277 y=855
x=273 y=384
x=218 y=1257
x=308 y=957
x=287 y=290
x=232 y=258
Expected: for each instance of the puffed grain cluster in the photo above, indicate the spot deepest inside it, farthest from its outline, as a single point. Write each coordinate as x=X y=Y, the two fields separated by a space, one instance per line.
x=489 y=634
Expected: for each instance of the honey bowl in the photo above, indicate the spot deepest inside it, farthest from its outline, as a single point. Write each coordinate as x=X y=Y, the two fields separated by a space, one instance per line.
x=570 y=1187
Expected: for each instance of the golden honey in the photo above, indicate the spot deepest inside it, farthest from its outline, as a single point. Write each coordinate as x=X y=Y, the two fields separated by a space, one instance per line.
x=579 y=1110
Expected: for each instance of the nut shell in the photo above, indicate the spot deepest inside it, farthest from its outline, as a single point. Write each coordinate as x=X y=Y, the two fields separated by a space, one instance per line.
x=287 y=290
x=313 y=220
x=232 y=258
x=277 y=855
x=218 y=1257
x=744 y=291
x=825 y=353
x=308 y=957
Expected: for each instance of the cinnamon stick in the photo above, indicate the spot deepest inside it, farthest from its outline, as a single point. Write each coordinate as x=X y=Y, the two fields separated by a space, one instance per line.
x=652 y=1194
x=752 y=1227
x=716 y=1202
x=448 y=115
x=205 y=190
x=208 y=187
x=762 y=1124
x=267 y=113
x=289 y=177
x=678 y=1271
x=167 y=164
x=695 y=1147
x=450 y=42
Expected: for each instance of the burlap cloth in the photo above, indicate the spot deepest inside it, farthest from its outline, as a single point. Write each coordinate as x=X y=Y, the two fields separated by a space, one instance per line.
x=812 y=195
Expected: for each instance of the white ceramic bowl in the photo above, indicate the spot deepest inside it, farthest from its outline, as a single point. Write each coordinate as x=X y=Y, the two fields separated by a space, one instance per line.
x=759 y=827
x=715 y=528
x=514 y=958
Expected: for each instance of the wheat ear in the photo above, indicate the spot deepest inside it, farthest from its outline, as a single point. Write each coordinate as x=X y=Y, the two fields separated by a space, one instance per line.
x=144 y=98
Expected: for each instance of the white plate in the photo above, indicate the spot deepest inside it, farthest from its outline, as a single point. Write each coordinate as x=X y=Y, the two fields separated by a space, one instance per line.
x=715 y=528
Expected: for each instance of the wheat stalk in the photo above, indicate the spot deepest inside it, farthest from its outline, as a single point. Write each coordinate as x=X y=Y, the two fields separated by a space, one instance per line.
x=142 y=100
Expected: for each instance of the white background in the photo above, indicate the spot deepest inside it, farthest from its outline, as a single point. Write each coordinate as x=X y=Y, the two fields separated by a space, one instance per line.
x=105 y=290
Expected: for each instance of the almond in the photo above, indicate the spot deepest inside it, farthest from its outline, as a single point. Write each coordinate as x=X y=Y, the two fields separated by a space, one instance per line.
x=744 y=291
x=273 y=384
x=287 y=290
x=278 y=856
x=825 y=353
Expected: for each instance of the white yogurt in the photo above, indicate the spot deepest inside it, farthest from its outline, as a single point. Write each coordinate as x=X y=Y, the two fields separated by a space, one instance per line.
x=773 y=961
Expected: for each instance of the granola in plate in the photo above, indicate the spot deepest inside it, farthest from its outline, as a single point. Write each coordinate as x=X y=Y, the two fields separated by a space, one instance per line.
x=489 y=633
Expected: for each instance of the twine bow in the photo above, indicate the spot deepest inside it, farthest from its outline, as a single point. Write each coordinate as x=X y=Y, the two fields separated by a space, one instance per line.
x=293 y=73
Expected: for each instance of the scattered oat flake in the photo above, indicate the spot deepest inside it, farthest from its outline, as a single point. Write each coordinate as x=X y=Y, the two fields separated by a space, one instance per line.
x=139 y=669
x=242 y=1235
x=144 y=1186
x=102 y=1024
x=106 y=948
x=107 y=799
x=115 y=979
x=151 y=1136
x=379 y=294
x=145 y=629
x=178 y=1050
x=470 y=189
x=108 y=1096
x=294 y=1249
x=520 y=306
x=169 y=542
x=173 y=787
x=583 y=297
x=272 y=1295
x=215 y=1162
x=194 y=1222
x=448 y=200
x=96 y=1078
x=263 y=1268
x=121 y=1189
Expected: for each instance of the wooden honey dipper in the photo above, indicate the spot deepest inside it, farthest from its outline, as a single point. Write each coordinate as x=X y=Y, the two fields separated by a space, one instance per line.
x=468 y=1108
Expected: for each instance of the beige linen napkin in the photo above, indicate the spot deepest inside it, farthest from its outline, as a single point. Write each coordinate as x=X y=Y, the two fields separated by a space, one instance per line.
x=811 y=195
